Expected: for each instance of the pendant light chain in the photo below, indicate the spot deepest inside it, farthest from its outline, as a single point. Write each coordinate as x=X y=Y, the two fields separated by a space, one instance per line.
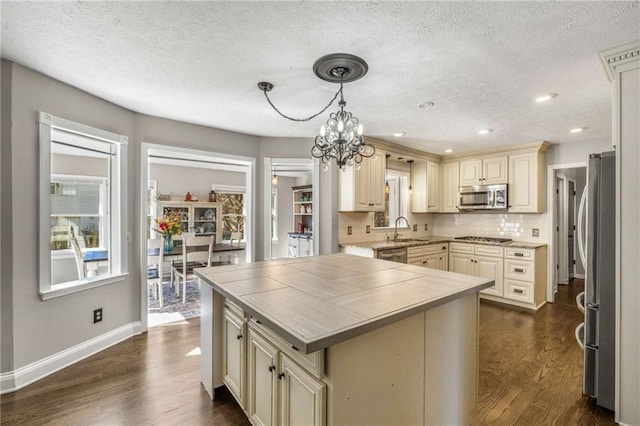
x=339 y=92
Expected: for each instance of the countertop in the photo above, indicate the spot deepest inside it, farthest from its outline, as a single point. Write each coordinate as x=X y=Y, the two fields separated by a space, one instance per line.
x=421 y=241
x=315 y=302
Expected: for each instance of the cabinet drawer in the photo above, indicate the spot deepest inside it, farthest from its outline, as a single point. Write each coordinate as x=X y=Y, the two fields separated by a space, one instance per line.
x=518 y=290
x=234 y=308
x=489 y=251
x=417 y=261
x=461 y=247
x=518 y=270
x=522 y=254
x=416 y=251
x=313 y=362
x=436 y=248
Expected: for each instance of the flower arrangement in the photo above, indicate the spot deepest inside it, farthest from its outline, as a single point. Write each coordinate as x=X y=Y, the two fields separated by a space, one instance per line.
x=170 y=224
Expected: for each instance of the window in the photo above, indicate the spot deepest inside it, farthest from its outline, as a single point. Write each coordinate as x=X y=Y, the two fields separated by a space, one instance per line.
x=82 y=180
x=274 y=215
x=396 y=201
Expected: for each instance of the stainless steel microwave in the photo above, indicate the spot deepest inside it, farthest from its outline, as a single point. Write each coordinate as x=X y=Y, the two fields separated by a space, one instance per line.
x=483 y=197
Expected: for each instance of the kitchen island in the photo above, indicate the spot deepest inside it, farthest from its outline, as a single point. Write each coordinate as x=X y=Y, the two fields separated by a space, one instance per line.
x=341 y=339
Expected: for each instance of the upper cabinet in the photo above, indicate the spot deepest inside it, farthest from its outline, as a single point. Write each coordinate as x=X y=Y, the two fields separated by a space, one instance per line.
x=483 y=171
x=526 y=183
x=363 y=190
x=450 y=184
x=424 y=186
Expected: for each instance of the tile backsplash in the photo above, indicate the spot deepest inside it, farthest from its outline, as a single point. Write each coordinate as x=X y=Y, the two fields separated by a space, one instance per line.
x=504 y=225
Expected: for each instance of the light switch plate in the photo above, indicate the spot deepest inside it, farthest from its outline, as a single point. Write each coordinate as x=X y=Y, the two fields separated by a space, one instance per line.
x=535 y=232
x=426 y=226
x=415 y=228
x=349 y=230
x=368 y=229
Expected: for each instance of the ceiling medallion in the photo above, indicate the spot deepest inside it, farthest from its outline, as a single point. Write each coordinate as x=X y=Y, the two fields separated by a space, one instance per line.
x=341 y=138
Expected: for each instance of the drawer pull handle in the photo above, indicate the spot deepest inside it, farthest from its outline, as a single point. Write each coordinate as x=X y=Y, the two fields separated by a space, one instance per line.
x=518 y=269
x=444 y=248
x=517 y=290
x=518 y=254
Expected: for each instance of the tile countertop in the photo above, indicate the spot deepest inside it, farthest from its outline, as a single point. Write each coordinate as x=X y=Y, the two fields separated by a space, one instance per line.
x=319 y=301
x=421 y=241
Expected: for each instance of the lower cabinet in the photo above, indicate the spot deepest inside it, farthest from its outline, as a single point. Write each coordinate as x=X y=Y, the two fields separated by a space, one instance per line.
x=434 y=256
x=234 y=332
x=480 y=261
x=279 y=390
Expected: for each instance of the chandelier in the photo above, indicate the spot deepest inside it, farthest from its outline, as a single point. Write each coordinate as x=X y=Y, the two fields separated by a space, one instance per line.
x=341 y=139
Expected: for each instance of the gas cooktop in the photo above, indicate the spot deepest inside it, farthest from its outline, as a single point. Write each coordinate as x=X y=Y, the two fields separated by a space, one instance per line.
x=484 y=239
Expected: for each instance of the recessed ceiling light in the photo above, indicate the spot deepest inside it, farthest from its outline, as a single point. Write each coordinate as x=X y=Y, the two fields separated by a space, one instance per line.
x=425 y=104
x=546 y=97
x=448 y=151
x=399 y=134
x=484 y=131
x=578 y=129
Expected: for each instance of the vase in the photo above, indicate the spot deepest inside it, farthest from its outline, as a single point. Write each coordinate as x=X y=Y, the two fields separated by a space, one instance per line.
x=168 y=244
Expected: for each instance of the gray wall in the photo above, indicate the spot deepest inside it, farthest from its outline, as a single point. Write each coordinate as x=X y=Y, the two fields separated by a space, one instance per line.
x=42 y=328
x=178 y=180
x=575 y=152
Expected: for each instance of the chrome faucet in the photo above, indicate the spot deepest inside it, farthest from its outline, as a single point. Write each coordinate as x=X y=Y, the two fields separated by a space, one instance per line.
x=395 y=231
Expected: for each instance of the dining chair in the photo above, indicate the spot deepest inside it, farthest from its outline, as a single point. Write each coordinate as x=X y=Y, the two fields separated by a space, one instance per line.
x=78 y=255
x=196 y=253
x=154 y=268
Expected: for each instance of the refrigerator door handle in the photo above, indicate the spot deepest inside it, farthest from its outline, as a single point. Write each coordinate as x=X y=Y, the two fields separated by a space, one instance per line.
x=581 y=241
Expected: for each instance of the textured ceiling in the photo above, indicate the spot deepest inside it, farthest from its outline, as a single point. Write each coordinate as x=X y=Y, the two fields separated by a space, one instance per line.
x=481 y=63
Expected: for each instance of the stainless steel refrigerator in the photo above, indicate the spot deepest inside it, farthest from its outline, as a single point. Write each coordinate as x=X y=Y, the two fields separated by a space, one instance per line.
x=598 y=248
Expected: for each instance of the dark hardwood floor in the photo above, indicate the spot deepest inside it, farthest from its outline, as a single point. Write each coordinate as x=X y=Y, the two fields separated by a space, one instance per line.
x=530 y=374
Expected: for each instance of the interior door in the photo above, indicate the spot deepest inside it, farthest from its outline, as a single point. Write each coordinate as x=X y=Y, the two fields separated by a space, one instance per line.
x=571 y=228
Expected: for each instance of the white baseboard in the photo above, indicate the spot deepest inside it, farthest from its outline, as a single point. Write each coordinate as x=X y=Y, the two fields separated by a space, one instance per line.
x=581 y=276
x=23 y=376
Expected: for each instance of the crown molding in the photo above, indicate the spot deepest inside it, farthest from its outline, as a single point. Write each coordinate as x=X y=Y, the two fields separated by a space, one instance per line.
x=611 y=58
x=403 y=150
x=542 y=146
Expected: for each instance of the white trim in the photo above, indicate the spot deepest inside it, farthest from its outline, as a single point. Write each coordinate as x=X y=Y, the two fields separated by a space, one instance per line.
x=551 y=206
x=72 y=287
x=230 y=189
x=23 y=376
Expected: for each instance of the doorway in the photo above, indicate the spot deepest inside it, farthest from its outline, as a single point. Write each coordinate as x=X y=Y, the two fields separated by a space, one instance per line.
x=184 y=179
x=565 y=185
x=290 y=207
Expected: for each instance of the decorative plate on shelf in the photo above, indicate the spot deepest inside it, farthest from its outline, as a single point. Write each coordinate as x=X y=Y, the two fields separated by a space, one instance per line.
x=209 y=214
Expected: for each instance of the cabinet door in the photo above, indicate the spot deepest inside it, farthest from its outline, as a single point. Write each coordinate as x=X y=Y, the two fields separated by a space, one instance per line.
x=491 y=268
x=461 y=263
x=432 y=187
x=233 y=354
x=419 y=187
x=302 y=396
x=450 y=192
x=431 y=261
x=262 y=381
x=443 y=262
x=304 y=247
x=375 y=168
x=523 y=183
x=361 y=186
x=471 y=172
x=494 y=170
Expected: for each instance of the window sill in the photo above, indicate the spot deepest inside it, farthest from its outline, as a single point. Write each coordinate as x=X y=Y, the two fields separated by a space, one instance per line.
x=72 y=287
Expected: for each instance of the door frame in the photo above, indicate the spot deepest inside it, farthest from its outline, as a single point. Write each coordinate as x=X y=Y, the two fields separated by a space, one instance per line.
x=249 y=167
x=315 y=191
x=571 y=199
x=552 y=223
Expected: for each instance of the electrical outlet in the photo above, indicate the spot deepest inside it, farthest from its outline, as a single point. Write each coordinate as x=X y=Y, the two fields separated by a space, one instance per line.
x=535 y=232
x=368 y=229
x=349 y=230
x=426 y=227
x=415 y=228
x=97 y=315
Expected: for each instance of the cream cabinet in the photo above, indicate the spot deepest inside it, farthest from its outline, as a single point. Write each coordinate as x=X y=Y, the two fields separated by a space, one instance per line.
x=363 y=189
x=450 y=193
x=483 y=171
x=234 y=332
x=201 y=218
x=479 y=260
x=424 y=196
x=434 y=256
x=526 y=183
x=280 y=390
